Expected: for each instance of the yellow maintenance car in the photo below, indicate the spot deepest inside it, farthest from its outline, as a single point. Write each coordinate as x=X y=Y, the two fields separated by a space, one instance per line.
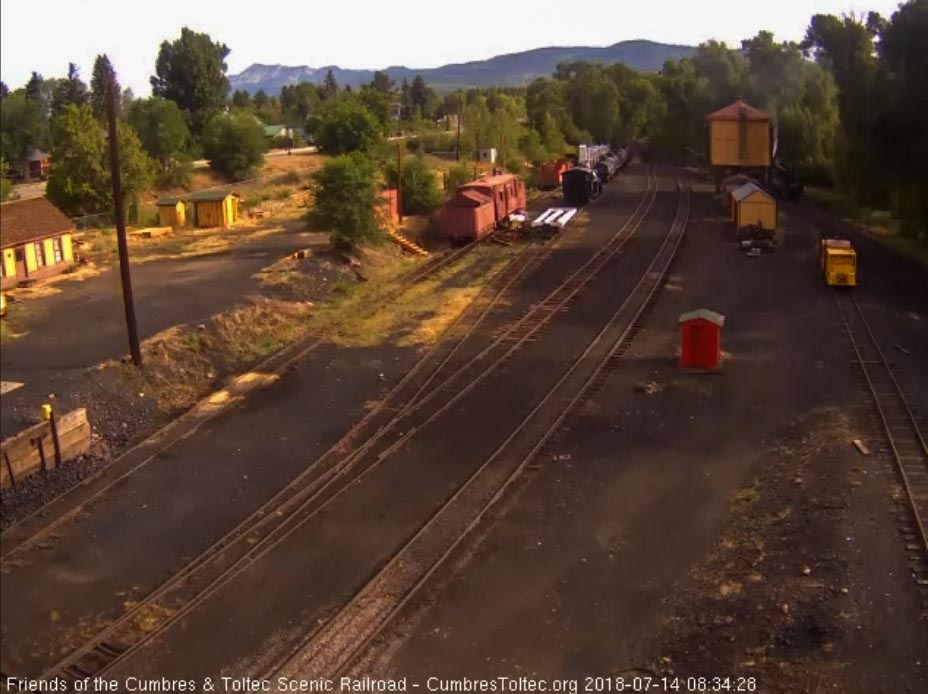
x=839 y=263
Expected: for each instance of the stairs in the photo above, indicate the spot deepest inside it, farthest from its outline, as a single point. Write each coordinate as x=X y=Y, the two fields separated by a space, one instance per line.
x=405 y=243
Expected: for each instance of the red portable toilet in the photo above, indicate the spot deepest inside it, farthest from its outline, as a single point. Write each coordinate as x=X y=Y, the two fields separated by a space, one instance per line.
x=701 y=339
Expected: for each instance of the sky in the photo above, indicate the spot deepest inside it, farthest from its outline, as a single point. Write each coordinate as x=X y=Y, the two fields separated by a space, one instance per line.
x=45 y=35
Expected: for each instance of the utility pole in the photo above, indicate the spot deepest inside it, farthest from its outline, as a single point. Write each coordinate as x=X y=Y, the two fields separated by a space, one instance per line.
x=476 y=151
x=131 y=325
x=399 y=181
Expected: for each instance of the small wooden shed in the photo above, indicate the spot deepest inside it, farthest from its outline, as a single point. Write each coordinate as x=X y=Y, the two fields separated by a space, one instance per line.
x=172 y=212
x=214 y=208
x=753 y=205
x=701 y=339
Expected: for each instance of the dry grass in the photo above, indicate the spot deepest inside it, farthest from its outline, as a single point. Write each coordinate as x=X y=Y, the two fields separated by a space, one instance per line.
x=419 y=315
x=186 y=361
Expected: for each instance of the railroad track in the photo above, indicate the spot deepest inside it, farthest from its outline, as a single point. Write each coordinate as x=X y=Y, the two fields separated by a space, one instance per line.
x=906 y=442
x=198 y=580
x=331 y=649
x=12 y=545
x=307 y=494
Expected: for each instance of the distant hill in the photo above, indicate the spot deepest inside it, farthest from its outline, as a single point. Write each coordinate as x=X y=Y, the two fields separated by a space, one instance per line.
x=513 y=69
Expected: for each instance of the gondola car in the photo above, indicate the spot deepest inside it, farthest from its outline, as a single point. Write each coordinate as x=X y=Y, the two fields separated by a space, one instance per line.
x=580 y=185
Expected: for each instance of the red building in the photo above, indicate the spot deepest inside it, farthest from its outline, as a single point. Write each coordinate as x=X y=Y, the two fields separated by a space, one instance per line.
x=701 y=339
x=390 y=208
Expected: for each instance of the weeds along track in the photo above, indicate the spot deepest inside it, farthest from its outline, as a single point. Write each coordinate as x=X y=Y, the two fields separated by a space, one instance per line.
x=259 y=533
x=195 y=581
x=333 y=647
x=904 y=439
x=32 y=529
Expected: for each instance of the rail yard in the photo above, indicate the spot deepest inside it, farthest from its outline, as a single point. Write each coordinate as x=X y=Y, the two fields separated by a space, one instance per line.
x=497 y=486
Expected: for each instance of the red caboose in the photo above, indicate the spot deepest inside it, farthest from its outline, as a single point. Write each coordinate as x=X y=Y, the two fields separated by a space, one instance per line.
x=482 y=205
x=549 y=173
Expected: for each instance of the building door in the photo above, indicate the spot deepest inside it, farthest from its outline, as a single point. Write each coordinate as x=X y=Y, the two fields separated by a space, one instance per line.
x=20 y=256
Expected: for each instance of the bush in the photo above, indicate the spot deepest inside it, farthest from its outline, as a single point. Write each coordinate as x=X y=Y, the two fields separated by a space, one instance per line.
x=458 y=175
x=420 y=194
x=234 y=145
x=438 y=142
x=174 y=173
x=346 y=199
x=345 y=125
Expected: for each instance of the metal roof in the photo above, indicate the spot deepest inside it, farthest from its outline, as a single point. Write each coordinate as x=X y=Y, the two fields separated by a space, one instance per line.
x=164 y=202
x=496 y=180
x=206 y=195
x=474 y=197
x=705 y=314
x=22 y=221
x=748 y=189
x=737 y=111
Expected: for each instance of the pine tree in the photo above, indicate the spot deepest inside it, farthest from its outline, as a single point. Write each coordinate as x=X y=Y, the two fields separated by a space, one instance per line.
x=71 y=90
x=98 y=83
x=405 y=101
x=34 y=88
x=329 y=85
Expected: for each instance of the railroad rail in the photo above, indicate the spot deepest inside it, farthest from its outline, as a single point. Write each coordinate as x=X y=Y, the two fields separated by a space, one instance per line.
x=900 y=426
x=198 y=580
x=320 y=483
x=332 y=648
x=13 y=545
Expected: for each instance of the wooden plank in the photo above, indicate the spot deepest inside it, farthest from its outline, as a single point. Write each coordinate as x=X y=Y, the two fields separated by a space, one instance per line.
x=73 y=436
x=861 y=447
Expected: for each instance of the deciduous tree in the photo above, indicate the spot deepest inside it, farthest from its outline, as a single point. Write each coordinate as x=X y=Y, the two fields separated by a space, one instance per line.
x=346 y=199
x=234 y=144
x=191 y=71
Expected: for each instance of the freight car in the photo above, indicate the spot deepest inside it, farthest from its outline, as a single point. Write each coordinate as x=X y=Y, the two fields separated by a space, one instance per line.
x=480 y=206
x=549 y=173
x=580 y=184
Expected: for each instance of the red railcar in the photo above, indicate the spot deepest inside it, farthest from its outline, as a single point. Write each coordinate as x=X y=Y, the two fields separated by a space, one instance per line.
x=549 y=173
x=482 y=205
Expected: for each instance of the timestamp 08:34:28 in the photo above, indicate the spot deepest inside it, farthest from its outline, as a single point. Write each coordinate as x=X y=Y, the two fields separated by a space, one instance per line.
x=668 y=683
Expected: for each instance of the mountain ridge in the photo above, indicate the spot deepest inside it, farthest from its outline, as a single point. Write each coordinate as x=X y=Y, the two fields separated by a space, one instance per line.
x=508 y=69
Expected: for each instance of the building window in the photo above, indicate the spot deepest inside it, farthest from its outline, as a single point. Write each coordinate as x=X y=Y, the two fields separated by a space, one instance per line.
x=39 y=254
x=56 y=247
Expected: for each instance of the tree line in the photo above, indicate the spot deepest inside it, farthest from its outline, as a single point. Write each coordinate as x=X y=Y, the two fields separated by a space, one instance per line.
x=850 y=103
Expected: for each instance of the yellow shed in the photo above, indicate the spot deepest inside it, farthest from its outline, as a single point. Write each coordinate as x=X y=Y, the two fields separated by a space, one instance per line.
x=171 y=212
x=741 y=136
x=753 y=205
x=213 y=208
